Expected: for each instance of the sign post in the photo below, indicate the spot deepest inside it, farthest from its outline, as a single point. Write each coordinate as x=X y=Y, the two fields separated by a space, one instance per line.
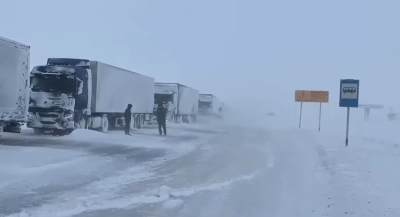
x=319 y=122
x=311 y=96
x=301 y=109
x=349 y=93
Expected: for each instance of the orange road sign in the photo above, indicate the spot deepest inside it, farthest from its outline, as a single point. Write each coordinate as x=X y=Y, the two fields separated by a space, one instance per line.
x=312 y=96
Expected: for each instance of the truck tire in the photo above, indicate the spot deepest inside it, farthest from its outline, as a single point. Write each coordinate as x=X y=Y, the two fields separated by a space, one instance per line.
x=62 y=132
x=38 y=131
x=139 y=124
x=142 y=121
x=104 y=124
x=132 y=124
x=13 y=128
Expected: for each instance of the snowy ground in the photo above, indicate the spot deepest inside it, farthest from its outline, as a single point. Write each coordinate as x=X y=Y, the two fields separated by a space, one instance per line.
x=268 y=168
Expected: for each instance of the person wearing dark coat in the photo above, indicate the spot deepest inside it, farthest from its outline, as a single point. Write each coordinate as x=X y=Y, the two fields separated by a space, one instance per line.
x=161 y=119
x=128 y=118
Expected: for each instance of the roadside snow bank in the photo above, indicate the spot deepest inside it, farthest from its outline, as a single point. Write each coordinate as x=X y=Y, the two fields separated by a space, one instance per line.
x=110 y=138
x=365 y=172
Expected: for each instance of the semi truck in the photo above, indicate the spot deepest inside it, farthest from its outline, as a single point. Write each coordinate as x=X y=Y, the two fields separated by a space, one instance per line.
x=68 y=94
x=210 y=105
x=181 y=101
x=14 y=84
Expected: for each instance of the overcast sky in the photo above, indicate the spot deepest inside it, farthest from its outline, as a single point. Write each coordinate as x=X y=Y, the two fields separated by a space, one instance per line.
x=232 y=48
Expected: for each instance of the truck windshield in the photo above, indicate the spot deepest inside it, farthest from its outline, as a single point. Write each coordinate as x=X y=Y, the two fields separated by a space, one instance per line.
x=57 y=85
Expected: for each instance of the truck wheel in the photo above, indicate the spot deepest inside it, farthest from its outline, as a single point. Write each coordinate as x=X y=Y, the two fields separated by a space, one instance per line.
x=38 y=131
x=142 y=120
x=139 y=124
x=104 y=124
x=61 y=132
x=13 y=128
x=132 y=124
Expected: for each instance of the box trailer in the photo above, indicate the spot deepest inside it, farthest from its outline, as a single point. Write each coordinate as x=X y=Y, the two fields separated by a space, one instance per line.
x=114 y=88
x=14 y=84
x=75 y=93
x=182 y=101
x=210 y=105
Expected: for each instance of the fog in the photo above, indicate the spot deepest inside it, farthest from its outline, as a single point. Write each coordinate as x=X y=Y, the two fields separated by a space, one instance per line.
x=249 y=53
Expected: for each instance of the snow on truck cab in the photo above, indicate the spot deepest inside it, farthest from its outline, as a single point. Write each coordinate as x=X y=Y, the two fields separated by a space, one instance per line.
x=59 y=95
x=68 y=94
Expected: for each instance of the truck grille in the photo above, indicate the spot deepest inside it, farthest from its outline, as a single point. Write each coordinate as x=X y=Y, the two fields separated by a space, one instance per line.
x=49 y=115
x=47 y=122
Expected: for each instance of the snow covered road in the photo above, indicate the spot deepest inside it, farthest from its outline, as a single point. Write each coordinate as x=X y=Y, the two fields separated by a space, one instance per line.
x=203 y=171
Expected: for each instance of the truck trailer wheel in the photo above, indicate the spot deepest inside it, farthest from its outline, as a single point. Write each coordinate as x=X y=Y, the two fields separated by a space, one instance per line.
x=186 y=119
x=142 y=122
x=137 y=122
x=58 y=132
x=38 y=131
x=132 y=124
x=104 y=124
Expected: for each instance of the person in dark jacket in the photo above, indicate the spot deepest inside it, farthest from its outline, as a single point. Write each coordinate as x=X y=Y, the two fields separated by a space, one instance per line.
x=128 y=117
x=161 y=119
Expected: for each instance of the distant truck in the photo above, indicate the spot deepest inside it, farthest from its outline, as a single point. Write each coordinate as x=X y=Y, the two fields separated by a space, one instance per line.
x=210 y=105
x=68 y=94
x=14 y=84
x=181 y=101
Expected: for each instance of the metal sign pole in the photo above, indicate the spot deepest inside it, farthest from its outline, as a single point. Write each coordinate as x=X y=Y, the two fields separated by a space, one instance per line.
x=349 y=95
x=319 y=124
x=301 y=108
x=347 y=126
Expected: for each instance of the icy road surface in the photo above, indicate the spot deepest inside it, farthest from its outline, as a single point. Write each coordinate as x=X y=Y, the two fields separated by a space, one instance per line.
x=201 y=171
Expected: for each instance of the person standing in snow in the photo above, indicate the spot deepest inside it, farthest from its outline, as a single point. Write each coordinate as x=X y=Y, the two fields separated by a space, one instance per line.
x=128 y=118
x=161 y=119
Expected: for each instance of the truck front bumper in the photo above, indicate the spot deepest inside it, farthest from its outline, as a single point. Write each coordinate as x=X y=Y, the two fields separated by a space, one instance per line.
x=49 y=124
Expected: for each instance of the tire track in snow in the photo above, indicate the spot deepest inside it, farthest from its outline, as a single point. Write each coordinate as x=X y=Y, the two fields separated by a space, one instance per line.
x=170 y=197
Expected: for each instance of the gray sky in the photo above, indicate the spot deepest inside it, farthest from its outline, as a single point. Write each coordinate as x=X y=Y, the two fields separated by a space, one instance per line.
x=230 y=48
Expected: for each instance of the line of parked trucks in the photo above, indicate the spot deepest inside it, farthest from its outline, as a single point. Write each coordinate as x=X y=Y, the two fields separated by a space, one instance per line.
x=67 y=94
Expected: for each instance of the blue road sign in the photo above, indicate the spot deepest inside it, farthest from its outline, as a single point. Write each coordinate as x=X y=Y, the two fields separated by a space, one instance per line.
x=349 y=92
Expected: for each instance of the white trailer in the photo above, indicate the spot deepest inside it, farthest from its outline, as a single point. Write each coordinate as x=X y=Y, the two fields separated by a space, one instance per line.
x=74 y=93
x=14 y=84
x=182 y=101
x=210 y=105
x=114 y=88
